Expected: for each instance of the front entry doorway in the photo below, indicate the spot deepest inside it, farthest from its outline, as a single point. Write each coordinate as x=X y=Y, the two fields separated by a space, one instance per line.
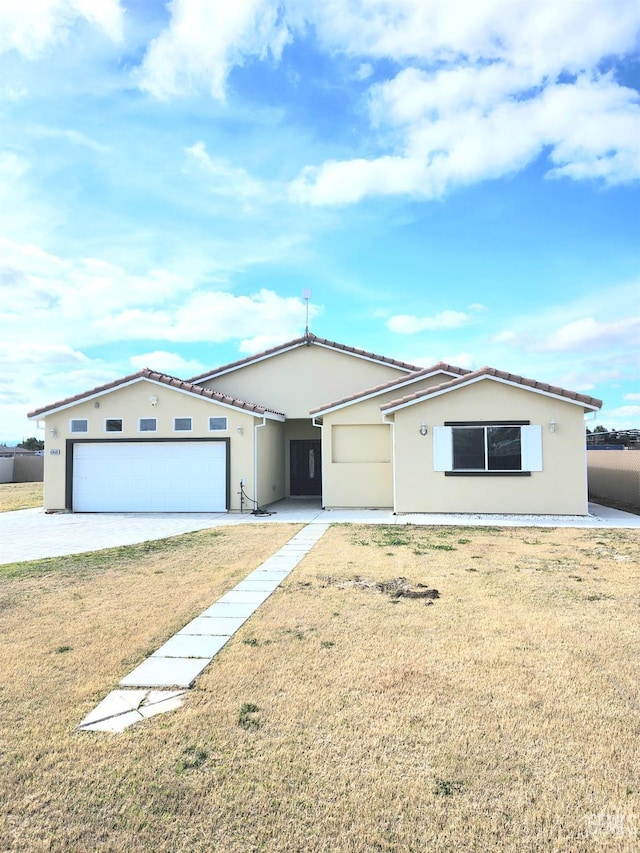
x=306 y=467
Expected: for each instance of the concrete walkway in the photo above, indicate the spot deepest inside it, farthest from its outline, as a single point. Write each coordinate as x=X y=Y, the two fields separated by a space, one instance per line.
x=161 y=680
x=31 y=534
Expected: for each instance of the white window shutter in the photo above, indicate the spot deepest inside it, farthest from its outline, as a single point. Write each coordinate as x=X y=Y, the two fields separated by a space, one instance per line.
x=531 y=447
x=442 y=448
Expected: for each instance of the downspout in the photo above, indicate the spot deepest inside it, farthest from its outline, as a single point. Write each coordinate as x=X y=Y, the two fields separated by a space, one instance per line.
x=256 y=427
x=392 y=423
x=319 y=426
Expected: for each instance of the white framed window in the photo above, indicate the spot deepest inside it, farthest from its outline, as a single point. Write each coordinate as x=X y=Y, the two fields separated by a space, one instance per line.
x=216 y=424
x=182 y=424
x=486 y=448
x=79 y=425
x=113 y=425
x=147 y=424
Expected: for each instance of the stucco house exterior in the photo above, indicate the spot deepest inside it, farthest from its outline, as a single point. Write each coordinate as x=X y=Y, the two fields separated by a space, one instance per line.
x=319 y=419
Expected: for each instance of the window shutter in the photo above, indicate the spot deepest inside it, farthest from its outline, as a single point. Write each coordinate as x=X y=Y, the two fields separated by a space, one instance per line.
x=442 y=448
x=531 y=447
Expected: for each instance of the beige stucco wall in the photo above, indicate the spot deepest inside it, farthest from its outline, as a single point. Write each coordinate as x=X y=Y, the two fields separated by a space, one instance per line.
x=270 y=461
x=301 y=379
x=132 y=402
x=358 y=483
x=559 y=489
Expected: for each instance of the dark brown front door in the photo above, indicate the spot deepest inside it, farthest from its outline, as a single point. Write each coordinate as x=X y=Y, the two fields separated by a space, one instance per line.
x=306 y=467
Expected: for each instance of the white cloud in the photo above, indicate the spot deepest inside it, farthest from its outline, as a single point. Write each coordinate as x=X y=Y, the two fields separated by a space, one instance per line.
x=32 y=27
x=204 y=40
x=460 y=126
x=625 y=412
x=72 y=136
x=512 y=80
x=544 y=34
x=587 y=334
x=211 y=316
x=409 y=324
x=223 y=178
x=632 y=396
x=167 y=362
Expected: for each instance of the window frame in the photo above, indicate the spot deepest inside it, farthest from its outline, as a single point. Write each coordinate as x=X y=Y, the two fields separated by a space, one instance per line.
x=73 y=421
x=145 y=431
x=219 y=418
x=530 y=449
x=113 y=421
x=176 y=428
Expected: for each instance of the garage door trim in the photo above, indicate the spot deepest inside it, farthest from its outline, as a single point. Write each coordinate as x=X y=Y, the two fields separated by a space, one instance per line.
x=73 y=441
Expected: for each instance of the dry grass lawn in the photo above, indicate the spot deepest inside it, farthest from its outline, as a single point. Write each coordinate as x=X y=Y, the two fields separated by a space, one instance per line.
x=20 y=496
x=504 y=715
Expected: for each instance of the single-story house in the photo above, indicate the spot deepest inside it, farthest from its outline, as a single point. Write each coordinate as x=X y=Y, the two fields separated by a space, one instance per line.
x=316 y=418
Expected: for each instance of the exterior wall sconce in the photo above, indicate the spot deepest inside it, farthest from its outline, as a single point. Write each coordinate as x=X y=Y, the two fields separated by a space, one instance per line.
x=240 y=430
x=153 y=401
x=53 y=432
x=423 y=428
x=552 y=426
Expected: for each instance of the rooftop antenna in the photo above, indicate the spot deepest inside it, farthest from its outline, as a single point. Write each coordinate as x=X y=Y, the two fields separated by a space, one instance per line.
x=306 y=295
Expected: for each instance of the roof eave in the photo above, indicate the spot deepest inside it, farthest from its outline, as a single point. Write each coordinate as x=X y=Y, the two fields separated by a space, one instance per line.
x=429 y=394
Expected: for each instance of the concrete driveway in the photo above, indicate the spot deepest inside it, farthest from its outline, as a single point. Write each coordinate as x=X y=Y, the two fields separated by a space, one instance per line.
x=31 y=534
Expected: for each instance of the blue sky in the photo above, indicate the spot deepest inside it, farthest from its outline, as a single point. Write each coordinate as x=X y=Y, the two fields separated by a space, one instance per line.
x=453 y=180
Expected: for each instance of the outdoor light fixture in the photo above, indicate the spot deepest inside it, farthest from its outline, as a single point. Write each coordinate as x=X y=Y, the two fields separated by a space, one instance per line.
x=423 y=428
x=552 y=426
x=54 y=432
x=240 y=430
x=153 y=401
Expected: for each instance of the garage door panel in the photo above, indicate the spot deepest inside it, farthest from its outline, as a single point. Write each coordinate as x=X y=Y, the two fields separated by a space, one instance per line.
x=150 y=477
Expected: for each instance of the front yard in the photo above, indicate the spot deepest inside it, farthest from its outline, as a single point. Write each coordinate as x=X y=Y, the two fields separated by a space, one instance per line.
x=20 y=496
x=503 y=715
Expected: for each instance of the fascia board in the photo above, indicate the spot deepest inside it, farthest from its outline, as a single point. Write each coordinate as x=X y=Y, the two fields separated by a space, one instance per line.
x=408 y=381
x=165 y=387
x=584 y=406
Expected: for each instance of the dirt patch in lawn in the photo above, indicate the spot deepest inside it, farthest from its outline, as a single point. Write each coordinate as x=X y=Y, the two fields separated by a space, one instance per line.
x=20 y=496
x=505 y=716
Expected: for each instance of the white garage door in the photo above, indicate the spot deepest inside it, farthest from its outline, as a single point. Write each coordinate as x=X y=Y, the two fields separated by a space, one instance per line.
x=162 y=476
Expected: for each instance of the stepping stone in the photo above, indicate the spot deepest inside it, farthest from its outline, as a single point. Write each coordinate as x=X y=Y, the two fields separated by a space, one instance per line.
x=213 y=626
x=115 y=703
x=229 y=609
x=123 y=708
x=244 y=597
x=191 y=646
x=165 y=672
x=257 y=585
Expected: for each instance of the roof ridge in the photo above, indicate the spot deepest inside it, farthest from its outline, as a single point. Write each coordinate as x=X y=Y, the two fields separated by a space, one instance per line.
x=308 y=338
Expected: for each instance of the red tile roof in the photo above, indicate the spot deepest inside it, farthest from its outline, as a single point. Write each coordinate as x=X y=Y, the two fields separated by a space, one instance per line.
x=305 y=339
x=165 y=379
x=441 y=366
x=592 y=402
